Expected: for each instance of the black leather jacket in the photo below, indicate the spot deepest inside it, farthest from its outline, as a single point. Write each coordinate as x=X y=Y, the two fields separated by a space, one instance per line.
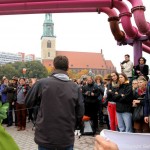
x=147 y=101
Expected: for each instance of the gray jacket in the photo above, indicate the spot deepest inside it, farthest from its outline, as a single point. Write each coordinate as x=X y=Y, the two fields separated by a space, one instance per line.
x=61 y=104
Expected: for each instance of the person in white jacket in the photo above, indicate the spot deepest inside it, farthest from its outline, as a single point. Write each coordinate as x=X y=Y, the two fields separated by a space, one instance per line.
x=127 y=67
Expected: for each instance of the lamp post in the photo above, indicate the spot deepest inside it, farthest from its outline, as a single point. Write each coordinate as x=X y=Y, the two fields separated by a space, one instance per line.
x=91 y=73
x=24 y=70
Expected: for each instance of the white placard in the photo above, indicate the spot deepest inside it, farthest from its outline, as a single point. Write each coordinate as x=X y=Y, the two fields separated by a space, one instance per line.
x=128 y=141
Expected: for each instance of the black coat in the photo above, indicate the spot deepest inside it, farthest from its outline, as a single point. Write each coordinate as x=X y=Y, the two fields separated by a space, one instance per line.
x=91 y=88
x=144 y=71
x=60 y=103
x=124 y=103
x=111 y=91
x=10 y=94
x=147 y=101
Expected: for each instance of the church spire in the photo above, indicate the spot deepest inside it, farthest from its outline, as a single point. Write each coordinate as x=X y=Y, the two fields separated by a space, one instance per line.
x=48 y=26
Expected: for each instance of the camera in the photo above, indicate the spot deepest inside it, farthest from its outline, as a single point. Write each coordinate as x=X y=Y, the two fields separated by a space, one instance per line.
x=140 y=98
x=89 y=93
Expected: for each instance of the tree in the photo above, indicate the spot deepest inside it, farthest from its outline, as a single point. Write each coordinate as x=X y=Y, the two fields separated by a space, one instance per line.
x=72 y=74
x=82 y=72
x=35 y=69
x=50 y=69
x=7 y=70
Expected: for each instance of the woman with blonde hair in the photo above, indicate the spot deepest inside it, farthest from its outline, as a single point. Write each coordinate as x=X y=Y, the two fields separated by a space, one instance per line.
x=139 y=97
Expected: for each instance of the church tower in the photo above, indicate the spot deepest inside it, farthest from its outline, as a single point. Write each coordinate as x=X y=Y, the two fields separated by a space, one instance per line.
x=48 y=40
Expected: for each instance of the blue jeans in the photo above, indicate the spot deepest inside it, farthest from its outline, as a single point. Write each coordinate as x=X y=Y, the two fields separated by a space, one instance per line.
x=124 y=122
x=67 y=148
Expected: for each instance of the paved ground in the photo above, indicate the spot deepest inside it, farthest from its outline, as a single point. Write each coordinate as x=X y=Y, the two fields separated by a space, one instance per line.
x=25 y=141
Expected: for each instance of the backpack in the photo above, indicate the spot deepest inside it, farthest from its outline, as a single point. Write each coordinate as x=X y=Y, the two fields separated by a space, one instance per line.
x=87 y=128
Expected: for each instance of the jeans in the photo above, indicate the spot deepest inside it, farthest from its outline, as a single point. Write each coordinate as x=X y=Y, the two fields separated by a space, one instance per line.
x=124 y=121
x=67 y=148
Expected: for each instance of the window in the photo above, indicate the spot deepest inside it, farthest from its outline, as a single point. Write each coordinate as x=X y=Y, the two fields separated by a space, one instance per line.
x=48 y=54
x=48 y=44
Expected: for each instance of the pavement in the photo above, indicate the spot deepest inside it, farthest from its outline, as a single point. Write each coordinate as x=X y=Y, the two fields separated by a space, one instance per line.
x=25 y=139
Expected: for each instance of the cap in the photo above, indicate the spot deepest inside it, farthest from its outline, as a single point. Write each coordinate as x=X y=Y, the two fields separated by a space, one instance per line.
x=108 y=77
x=14 y=78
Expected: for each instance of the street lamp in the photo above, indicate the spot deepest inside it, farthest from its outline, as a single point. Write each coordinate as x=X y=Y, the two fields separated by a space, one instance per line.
x=91 y=73
x=24 y=70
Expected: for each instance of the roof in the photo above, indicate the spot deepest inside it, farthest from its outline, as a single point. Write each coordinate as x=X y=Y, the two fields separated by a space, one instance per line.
x=82 y=60
x=109 y=64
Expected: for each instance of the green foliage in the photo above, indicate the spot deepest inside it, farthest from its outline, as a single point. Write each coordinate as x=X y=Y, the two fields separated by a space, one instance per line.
x=3 y=111
x=5 y=137
x=35 y=69
x=6 y=141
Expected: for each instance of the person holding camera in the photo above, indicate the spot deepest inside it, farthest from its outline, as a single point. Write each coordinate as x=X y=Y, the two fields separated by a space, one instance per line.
x=127 y=67
x=91 y=93
x=139 y=97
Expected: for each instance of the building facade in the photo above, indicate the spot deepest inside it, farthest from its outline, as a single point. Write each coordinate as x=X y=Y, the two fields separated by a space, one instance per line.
x=77 y=60
x=6 y=57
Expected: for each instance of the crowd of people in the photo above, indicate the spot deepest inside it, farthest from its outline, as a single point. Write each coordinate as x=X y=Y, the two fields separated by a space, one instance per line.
x=14 y=91
x=62 y=102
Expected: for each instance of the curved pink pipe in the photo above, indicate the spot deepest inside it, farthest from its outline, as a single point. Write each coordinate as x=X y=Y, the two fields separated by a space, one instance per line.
x=146 y=43
x=56 y=4
x=108 y=11
x=146 y=48
x=139 y=17
x=113 y=22
x=125 y=16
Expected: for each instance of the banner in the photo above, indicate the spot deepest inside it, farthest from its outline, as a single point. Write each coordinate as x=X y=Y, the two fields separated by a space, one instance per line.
x=128 y=141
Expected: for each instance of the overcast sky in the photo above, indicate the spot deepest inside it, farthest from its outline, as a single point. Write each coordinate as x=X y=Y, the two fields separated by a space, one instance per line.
x=87 y=32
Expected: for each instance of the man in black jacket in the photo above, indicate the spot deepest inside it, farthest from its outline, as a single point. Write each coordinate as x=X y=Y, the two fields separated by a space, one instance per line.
x=91 y=93
x=60 y=106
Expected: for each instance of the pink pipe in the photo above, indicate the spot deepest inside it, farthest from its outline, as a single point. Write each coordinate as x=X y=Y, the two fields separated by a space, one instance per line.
x=108 y=11
x=25 y=1
x=56 y=4
x=113 y=22
x=130 y=30
x=139 y=17
x=147 y=43
x=125 y=16
x=146 y=48
x=52 y=10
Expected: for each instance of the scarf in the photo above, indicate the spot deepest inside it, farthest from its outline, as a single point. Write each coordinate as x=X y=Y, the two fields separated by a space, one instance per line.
x=141 y=91
x=115 y=84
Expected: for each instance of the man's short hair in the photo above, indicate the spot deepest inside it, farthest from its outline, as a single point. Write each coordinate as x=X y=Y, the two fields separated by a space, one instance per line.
x=127 y=55
x=61 y=62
